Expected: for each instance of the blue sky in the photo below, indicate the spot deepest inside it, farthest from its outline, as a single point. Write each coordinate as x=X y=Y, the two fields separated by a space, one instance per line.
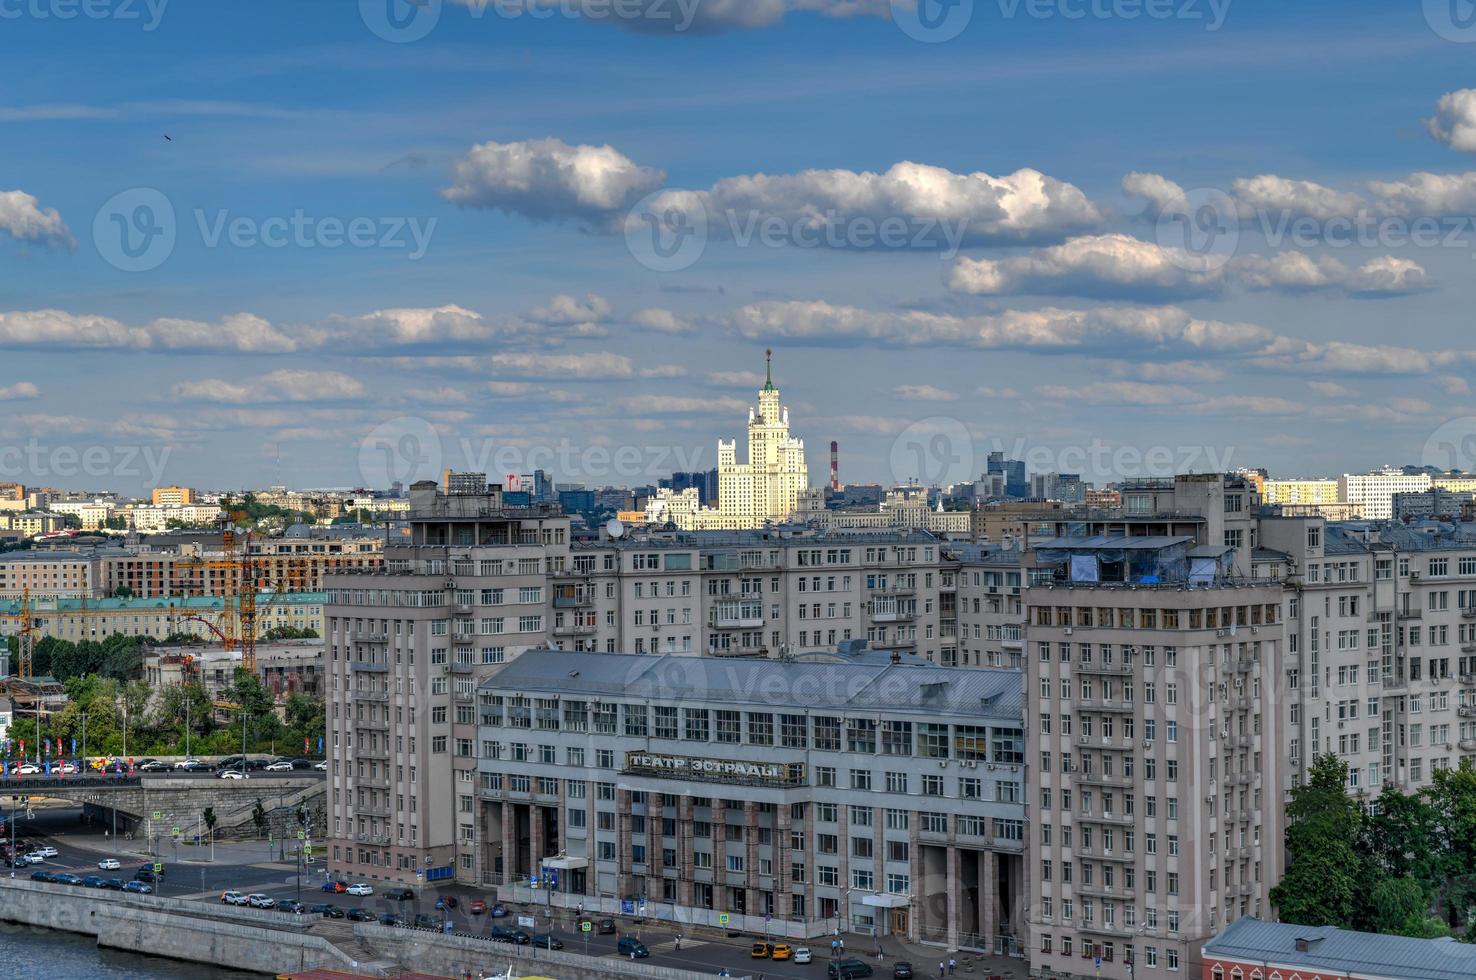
x=1077 y=321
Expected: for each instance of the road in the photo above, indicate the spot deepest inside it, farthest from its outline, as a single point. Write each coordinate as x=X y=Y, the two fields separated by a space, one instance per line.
x=253 y=867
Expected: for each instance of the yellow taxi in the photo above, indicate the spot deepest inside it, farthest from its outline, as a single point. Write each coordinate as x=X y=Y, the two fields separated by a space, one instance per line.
x=760 y=951
x=780 y=951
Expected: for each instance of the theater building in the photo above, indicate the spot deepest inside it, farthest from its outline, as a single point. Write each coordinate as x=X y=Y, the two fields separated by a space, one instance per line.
x=797 y=797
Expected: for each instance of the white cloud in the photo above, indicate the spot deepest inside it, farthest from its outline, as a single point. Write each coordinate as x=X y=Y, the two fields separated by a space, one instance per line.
x=735 y=379
x=1181 y=371
x=1120 y=330
x=1342 y=357
x=661 y=321
x=23 y=218
x=565 y=310
x=664 y=371
x=1330 y=389
x=593 y=366
x=405 y=327
x=1426 y=195
x=241 y=332
x=549 y=180
x=1454 y=122
x=924 y=393
x=1120 y=393
x=1123 y=266
x=679 y=18
x=18 y=391
x=1271 y=194
x=1156 y=189
x=678 y=405
x=277 y=386
x=989 y=392
x=1453 y=384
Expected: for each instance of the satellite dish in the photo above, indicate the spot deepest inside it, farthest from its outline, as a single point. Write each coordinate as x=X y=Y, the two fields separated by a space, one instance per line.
x=614 y=528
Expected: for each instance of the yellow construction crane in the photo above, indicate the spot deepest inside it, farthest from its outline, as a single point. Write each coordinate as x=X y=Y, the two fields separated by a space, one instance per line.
x=27 y=637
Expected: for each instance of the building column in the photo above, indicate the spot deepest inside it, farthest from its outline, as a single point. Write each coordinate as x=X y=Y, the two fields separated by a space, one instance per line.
x=654 y=867
x=535 y=841
x=684 y=850
x=719 y=827
x=751 y=855
x=509 y=844
x=989 y=895
x=780 y=850
x=624 y=865
x=951 y=886
x=915 y=870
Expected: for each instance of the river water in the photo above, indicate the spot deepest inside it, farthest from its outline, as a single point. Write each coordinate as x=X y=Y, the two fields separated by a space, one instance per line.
x=39 y=954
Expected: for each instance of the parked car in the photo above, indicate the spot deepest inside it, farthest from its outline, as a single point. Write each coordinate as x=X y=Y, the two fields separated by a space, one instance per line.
x=321 y=766
x=478 y=906
x=902 y=970
x=191 y=765
x=400 y=894
x=47 y=851
x=27 y=769
x=425 y=920
x=802 y=954
x=138 y=887
x=631 y=946
x=259 y=901
x=781 y=951
x=336 y=887
x=545 y=941
x=507 y=934
x=148 y=875
x=113 y=884
x=92 y=881
x=34 y=857
x=360 y=915
x=846 y=969
x=65 y=768
x=360 y=888
x=328 y=911
x=289 y=905
x=391 y=919
x=233 y=898
x=760 y=951
x=279 y=766
x=498 y=911
x=233 y=774
x=41 y=876
x=109 y=864
x=65 y=878
x=605 y=927
x=151 y=765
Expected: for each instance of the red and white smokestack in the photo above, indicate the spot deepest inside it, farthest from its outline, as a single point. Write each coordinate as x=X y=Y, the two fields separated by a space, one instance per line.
x=835 y=466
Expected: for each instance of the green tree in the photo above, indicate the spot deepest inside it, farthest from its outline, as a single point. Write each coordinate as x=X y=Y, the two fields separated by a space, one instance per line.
x=1401 y=907
x=1323 y=826
x=208 y=815
x=259 y=818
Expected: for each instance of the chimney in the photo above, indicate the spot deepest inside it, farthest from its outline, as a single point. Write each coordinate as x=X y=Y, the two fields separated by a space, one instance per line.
x=834 y=465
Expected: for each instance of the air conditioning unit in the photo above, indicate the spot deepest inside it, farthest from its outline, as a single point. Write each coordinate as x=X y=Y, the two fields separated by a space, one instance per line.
x=991 y=767
x=1067 y=631
x=1148 y=743
x=1085 y=739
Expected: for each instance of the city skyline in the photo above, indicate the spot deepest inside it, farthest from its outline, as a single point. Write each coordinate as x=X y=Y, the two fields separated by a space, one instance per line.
x=287 y=251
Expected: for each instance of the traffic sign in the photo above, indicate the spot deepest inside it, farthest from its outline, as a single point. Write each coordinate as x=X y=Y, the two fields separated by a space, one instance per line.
x=158 y=815
x=158 y=866
x=723 y=919
x=586 y=926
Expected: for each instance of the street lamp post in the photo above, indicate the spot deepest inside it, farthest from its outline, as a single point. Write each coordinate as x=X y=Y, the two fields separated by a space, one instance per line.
x=84 y=743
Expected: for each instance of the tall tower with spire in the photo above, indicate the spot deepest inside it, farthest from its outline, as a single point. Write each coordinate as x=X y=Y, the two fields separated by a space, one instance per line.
x=766 y=488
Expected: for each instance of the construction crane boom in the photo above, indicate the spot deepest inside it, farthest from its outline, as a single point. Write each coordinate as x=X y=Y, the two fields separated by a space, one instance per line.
x=27 y=638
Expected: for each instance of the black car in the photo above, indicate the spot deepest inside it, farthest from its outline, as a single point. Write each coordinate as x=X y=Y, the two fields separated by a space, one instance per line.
x=605 y=927
x=301 y=763
x=113 y=884
x=425 y=920
x=400 y=895
x=149 y=875
x=360 y=915
x=43 y=876
x=63 y=878
x=327 y=911
x=92 y=881
x=847 y=969
x=288 y=905
x=507 y=934
x=391 y=919
x=152 y=765
x=545 y=941
x=902 y=970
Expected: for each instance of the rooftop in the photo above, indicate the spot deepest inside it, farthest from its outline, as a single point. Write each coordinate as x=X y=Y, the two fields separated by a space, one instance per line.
x=921 y=689
x=1329 y=949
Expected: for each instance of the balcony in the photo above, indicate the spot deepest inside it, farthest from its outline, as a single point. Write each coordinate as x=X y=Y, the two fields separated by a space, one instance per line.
x=579 y=600
x=1011 y=844
x=1097 y=704
x=366 y=752
x=1467 y=711
x=1394 y=683
x=736 y=621
x=1103 y=929
x=738 y=651
x=1116 y=819
x=380 y=839
x=368 y=695
x=1103 y=779
x=360 y=636
x=896 y=590
x=1469 y=612
x=892 y=615
x=1245 y=666
x=575 y=629
x=1096 y=667
x=1469 y=680
x=1468 y=744
x=369 y=666
x=1410 y=614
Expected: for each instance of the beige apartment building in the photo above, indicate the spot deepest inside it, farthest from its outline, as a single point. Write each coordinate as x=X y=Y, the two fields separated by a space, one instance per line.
x=406 y=647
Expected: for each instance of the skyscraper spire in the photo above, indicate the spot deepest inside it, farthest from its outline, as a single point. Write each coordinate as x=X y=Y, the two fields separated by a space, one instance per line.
x=769 y=369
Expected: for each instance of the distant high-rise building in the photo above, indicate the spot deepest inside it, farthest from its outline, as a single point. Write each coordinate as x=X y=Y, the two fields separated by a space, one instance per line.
x=455 y=484
x=1013 y=471
x=703 y=481
x=173 y=496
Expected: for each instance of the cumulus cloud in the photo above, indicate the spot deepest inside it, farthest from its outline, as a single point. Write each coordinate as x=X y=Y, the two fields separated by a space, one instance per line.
x=565 y=310
x=1121 y=331
x=1330 y=389
x=404 y=327
x=661 y=321
x=23 y=218
x=59 y=329
x=1120 y=393
x=549 y=180
x=1118 y=265
x=679 y=405
x=1342 y=357
x=18 y=391
x=277 y=386
x=735 y=379
x=1454 y=122
x=679 y=18
x=924 y=393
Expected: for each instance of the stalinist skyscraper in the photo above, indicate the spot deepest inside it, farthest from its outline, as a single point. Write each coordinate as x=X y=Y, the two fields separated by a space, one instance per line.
x=767 y=487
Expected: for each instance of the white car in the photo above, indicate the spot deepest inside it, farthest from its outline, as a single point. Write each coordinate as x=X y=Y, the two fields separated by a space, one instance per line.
x=34 y=857
x=233 y=898
x=65 y=768
x=234 y=774
x=360 y=888
x=27 y=769
x=803 y=955
x=279 y=767
x=322 y=766
x=109 y=864
x=47 y=851
x=259 y=901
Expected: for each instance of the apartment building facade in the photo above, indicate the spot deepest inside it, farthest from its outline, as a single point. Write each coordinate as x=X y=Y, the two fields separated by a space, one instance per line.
x=406 y=647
